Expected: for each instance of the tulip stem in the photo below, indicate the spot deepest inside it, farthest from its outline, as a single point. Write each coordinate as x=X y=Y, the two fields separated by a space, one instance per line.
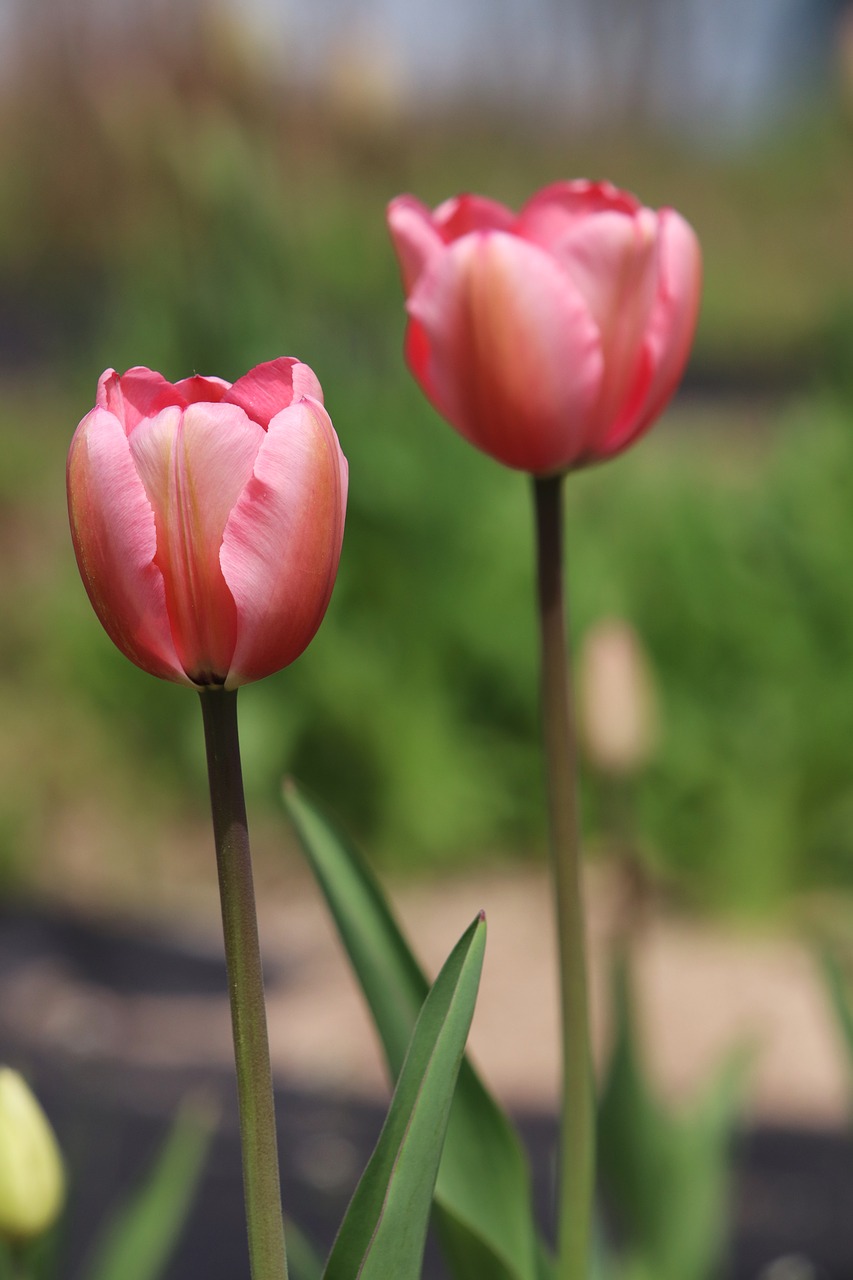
x=577 y=1140
x=245 y=987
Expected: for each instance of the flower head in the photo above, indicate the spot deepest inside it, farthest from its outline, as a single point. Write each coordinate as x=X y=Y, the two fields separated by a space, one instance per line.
x=553 y=337
x=32 y=1178
x=207 y=518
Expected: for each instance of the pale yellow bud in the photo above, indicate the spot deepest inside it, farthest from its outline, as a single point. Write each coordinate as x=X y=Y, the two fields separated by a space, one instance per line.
x=32 y=1180
x=618 y=706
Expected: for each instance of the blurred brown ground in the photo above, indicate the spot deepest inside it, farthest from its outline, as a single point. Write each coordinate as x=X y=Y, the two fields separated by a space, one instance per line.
x=703 y=990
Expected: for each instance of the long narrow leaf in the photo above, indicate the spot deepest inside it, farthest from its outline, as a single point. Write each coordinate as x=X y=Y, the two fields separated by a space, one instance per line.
x=384 y=1231
x=838 y=990
x=667 y=1175
x=303 y=1262
x=139 y=1239
x=483 y=1195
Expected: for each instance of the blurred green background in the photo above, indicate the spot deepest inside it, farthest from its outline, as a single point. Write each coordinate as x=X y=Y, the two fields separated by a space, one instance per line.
x=174 y=197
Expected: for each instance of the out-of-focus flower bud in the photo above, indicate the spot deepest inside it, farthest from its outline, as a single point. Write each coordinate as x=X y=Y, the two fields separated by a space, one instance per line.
x=619 y=720
x=32 y=1181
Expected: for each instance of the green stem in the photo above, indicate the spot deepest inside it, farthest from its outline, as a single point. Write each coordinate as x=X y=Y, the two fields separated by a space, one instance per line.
x=577 y=1137
x=12 y=1266
x=245 y=987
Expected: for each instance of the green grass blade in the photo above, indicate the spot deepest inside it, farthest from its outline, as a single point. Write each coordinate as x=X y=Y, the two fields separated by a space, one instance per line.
x=838 y=991
x=547 y=1266
x=139 y=1239
x=483 y=1206
x=303 y=1261
x=384 y=1231
x=667 y=1175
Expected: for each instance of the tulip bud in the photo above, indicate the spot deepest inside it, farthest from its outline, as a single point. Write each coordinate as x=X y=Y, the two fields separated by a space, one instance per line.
x=554 y=337
x=32 y=1181
x=207 y=519
x=618 y=705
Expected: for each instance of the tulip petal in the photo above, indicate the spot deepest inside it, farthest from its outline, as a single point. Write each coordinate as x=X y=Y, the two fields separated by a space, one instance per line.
x=115 y=540
x=194 y=465
x=417 y=353
x=271 y=387
x=137 y=394
x=552 y=214
x=196 y=388
x=282 y=542
x=514 y=359
x=668 y=333
x=416 y=240
x=460 y=215
x=613 y=259
x=610 y=247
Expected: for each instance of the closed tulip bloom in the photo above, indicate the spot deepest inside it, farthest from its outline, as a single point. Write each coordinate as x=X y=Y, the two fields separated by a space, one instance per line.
x=207 y=519
x=32 y=1178
x=554 y=337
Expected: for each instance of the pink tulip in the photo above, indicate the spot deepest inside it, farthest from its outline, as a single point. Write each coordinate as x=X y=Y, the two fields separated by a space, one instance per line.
x=554 y=337
x=207 y=519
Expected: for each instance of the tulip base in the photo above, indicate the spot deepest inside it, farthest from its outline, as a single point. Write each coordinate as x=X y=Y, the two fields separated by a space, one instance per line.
x=245 y=987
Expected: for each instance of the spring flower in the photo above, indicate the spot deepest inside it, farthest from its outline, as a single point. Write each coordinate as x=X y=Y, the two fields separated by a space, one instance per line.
x=554 y=337
x=32 y=1179
x=207 y=519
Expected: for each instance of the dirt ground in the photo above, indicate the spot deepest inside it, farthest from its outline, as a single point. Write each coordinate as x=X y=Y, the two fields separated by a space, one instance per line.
x=703 y=990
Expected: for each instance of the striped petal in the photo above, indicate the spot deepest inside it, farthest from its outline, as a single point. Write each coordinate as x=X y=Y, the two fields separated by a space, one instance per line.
x=463 y=214
x=613 y=260
x=416 y=240
x=550 y=216
x=514 y=355
x=198 y=387
x=668 y=333
x=283 y=540
x=271 y=387
x=137 y=394
x=194 y=463
x=115 y=540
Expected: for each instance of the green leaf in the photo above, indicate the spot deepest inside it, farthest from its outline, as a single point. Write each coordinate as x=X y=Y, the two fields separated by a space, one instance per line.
x=483 y=1204
x=667 y=1176
x=303 y=1262
x=384 y=1231
x=546 y=1265
x=41 y=1257
x=139 y=1239
x=839 y=998
x=6 y=1266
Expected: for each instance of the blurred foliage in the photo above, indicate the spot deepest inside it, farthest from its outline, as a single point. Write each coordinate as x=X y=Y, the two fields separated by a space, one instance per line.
x=666 y=1175
x=186 y=206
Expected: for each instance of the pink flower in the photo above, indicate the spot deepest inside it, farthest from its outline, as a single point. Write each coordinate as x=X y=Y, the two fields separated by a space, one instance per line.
x=554 y=337
x=207 y=519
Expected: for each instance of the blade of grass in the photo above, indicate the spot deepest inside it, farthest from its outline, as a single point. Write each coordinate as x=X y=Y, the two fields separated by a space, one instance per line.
x=303 y=1261
x=384 y=1231
x=138 y=1241
x=483 y=1203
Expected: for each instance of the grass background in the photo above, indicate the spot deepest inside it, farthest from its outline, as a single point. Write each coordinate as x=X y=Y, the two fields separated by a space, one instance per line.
x=190 y=214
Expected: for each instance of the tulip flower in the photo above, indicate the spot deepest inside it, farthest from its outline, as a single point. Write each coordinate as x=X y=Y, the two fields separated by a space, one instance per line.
x=551 y=339
x=554 y=337
x=207 y=519
x=32 y=1178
